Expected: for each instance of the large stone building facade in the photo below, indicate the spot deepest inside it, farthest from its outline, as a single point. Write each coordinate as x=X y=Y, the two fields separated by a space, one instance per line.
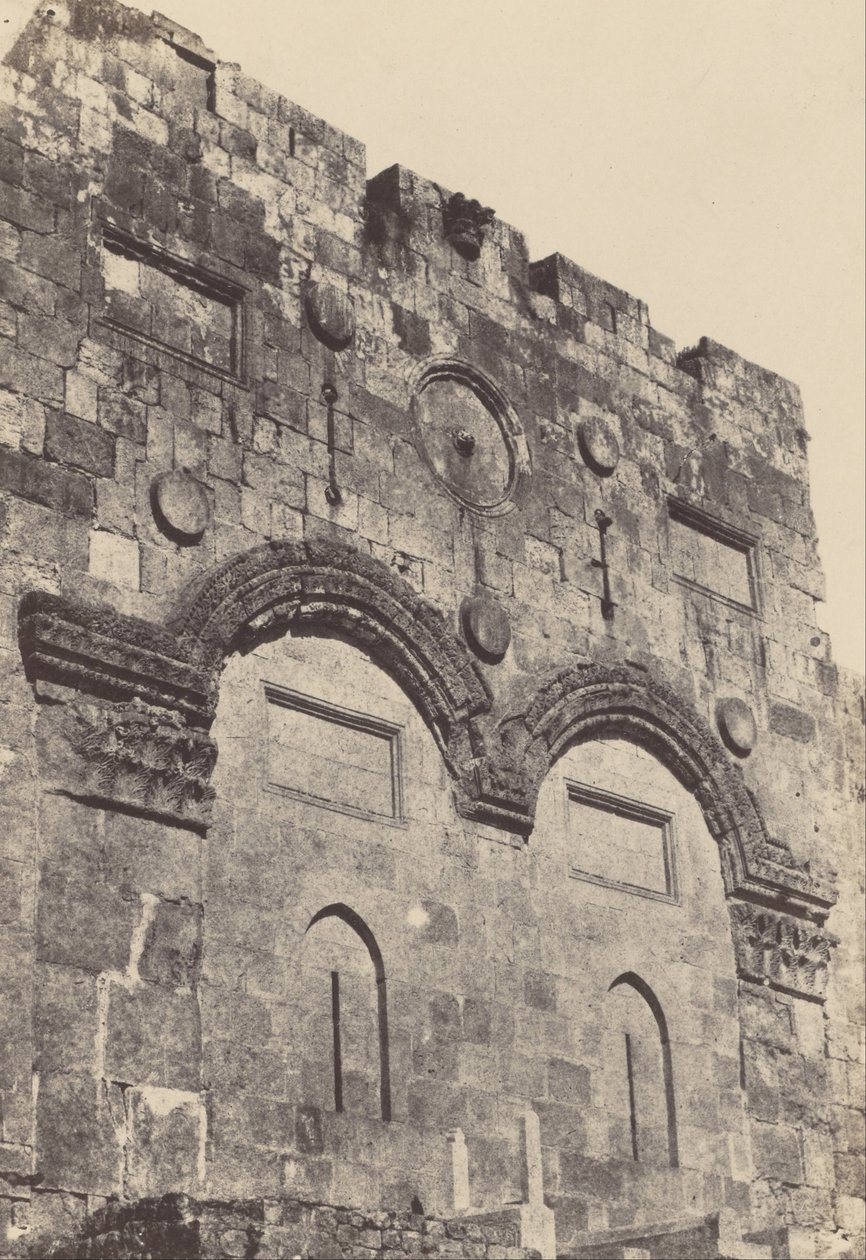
x=429 y=808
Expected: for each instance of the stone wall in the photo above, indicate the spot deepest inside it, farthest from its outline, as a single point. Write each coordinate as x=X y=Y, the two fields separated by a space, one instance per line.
x=424 y=785
x=176 y=1227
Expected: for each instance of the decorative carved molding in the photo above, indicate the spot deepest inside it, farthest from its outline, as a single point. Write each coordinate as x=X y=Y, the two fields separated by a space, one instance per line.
x=312 y=586
x=326 y=586
x=597 y=701
x=107 y=654
x=465 y=222
x=773 y=948
x=469 y=435
x=496 y=770
x=149 y=760
x=134 y=756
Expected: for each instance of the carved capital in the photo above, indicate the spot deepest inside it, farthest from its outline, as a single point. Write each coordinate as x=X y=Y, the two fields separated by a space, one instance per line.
x=776 y=949
x=147 y=760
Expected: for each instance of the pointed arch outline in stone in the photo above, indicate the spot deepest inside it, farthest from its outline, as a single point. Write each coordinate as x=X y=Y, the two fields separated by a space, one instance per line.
x=635 y=982
x=330 y=587
x=339 y=910
x=592 y=701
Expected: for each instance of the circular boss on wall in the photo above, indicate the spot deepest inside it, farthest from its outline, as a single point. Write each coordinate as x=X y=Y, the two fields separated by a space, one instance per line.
x=470 y=436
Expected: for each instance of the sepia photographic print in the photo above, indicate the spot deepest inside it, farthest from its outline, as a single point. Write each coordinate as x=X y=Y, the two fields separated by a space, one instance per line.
x=431 y=808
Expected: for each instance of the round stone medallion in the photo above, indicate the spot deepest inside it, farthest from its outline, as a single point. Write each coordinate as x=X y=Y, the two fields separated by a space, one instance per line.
x=737 y=725
x=180 y=505
x=598 y=445
x=330 y=315
x=470 y=437
x=486 y=627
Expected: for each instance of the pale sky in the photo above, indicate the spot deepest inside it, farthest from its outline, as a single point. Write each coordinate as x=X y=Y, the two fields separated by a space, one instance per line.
x=705 y=155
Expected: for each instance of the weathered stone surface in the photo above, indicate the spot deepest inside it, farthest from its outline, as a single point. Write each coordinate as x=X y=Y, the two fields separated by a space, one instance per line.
x=152 y=1037
x=84 y=925
x=67 y=492
x=180 y=505
x=215 y=977
x=330 y=315
x=785 y=720
x=166 y=1130
x=65 y=1019
x=737 y=725
x=79 y=444
x=76 y=1140
x=179 y=1227
x=171 y=954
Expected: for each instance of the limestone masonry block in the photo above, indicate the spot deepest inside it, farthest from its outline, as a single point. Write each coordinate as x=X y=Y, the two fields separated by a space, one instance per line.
x=429 y=807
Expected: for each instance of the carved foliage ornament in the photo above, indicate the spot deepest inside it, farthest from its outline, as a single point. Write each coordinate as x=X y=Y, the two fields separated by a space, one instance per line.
x=160 y=756
x=775 y=949
x=150 y=760
x=173 y=674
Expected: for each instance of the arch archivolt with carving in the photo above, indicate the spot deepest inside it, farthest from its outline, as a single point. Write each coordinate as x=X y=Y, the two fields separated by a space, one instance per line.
x=144 y=697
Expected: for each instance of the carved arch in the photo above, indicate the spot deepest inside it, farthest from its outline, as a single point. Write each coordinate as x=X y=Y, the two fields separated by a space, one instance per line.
x=624 y=702
x=324 y=586
x=145 y=745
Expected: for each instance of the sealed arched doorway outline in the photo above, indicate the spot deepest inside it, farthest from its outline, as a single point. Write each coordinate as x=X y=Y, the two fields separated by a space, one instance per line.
x=633 y=981
x=354 y=921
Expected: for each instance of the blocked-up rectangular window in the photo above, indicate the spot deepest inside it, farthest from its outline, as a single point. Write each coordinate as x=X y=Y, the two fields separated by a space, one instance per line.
x=713 y=556
x=170 y=305
x=621 y=843
x=332 y=756
x=193 y=77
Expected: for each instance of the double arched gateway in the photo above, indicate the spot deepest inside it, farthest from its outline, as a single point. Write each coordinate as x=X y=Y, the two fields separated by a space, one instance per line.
x=539 y=881
x=496 y=757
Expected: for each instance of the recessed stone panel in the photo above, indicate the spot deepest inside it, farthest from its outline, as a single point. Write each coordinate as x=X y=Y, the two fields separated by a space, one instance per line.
x=621 y=842
x=170 y=305
x=333 y=757
x=712 y=556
